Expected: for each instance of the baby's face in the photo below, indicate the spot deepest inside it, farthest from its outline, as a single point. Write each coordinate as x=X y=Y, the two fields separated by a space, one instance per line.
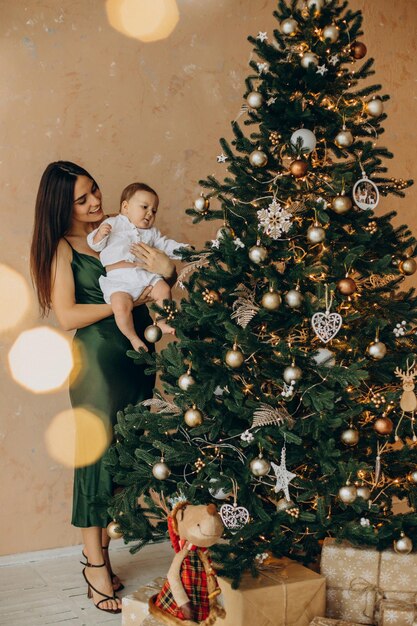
x=141 y=209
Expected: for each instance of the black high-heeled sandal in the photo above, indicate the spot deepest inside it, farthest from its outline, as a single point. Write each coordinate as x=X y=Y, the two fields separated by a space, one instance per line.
x=106 y=598
x=111 y=573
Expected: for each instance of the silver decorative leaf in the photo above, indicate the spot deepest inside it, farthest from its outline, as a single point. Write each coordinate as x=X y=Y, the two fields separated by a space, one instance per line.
x=245 y=307
x=162 y=406
x=268 y=415
x=200 y=261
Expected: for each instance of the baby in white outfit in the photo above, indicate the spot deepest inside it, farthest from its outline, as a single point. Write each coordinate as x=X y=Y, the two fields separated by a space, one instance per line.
x=125 y=281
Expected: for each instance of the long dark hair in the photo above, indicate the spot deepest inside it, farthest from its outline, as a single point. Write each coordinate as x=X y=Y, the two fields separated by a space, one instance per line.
x=53 y=213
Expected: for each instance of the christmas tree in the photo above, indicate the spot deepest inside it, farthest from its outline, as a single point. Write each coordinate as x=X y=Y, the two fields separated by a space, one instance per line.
x=288 y=396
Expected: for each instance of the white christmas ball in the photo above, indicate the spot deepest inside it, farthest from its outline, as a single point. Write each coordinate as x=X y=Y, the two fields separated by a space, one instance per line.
x=257 y=158
x=308 y=139
x=331 y=33
x=161 y=470
x=375 y=107
x=316 y=234
x=218 y=493
x=201 y=204
x=363 y=492
x=292 y=372
x=309 y=58
x=325 y=357
x=258 y=254
x=348 y=494
x=254 y=99
x=289 y=27
x=344 y=139
x=185 y=381
x=294 y=298
x=377 y=350
x=350 y=436
x=315 y=4
x=153 y=333
x=259 y=466
x=403 y=545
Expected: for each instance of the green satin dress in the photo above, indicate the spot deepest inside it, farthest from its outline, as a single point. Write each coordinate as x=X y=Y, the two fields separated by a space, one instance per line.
x=105 y=381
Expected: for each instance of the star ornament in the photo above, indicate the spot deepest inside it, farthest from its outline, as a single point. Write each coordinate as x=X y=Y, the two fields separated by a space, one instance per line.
x=322 y=69
x=262 y=36
x=334 y=60
x=221 y=158
x=283 y=476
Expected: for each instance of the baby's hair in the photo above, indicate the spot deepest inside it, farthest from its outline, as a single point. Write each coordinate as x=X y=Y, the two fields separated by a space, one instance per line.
x=129 y=191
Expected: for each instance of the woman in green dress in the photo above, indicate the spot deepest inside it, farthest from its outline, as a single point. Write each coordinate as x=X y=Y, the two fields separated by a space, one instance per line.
x=66 y=273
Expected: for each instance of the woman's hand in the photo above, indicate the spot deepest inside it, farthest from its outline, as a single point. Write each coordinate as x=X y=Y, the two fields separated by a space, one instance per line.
x=153 y=260
x=144 y=297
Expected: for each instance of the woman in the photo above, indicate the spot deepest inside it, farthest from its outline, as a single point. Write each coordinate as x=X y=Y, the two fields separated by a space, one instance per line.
x=66 y=273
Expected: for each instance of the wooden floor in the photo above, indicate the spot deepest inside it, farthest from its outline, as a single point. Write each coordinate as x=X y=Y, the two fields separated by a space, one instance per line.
x=47 y=588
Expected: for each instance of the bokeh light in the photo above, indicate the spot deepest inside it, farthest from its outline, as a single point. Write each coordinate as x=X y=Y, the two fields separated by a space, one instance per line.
x=146 y=20
x=77 y=437
x=40 y=359
x=15 y=299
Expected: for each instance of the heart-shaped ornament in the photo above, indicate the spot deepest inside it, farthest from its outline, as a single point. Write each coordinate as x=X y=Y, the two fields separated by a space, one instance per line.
x=326 y=325
x=234 y=517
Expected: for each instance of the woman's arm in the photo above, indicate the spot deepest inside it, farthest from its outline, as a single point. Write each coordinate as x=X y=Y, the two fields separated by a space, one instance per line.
x=155 y=261
x=69 y=314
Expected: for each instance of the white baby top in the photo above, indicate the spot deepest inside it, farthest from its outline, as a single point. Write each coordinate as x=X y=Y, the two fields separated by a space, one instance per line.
x=116 y=246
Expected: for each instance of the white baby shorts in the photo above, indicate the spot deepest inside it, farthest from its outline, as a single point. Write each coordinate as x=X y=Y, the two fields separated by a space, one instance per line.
x=129 y=280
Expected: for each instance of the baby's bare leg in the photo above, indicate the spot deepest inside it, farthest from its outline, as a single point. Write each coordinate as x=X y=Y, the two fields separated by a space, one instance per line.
x=160 y=292
x=122 y=305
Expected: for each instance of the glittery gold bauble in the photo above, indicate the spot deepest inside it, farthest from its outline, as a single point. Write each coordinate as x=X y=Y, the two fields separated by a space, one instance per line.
x=377 y=350
x=289 y=27
x=348 y=494
x=292 y=372
x=363 y=492
x=408 y=266
x=161 y=470
x=331 y=33
x=412 y=477
x=309 y=58
x=271 y=300
x=344 y=138
x=153 y=333
x=258 y=254
x=358 y=50
x=375 y=107
x=383 y=426
x=341 y=204
x=259 y=466
x=403 y=545
x=113 y=530
x=294 y=298
x=257 y=158
x=254 y=99
x=316 y=234
x=299 y=168
x=350 y=436
x=234 y=358
x=185 y=381
x=201 y=204
x=193 y=417
x=346 y=286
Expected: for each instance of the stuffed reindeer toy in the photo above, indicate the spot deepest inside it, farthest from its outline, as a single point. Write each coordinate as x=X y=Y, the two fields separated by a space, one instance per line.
x=189 y=595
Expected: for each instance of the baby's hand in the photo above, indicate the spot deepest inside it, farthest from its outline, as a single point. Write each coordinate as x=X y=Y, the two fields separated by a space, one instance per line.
x=103 y=231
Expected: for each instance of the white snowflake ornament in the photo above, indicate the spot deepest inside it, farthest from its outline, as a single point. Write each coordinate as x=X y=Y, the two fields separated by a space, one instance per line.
x=275 y=220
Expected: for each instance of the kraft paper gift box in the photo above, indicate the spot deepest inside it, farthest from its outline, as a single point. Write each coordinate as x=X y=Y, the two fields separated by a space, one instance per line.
x=288 y=594
x=135 y=606
x=358 y=578
x=328 y=621
x=397 y=613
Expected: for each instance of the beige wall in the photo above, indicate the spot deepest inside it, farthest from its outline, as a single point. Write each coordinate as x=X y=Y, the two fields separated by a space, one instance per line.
x=73 y=88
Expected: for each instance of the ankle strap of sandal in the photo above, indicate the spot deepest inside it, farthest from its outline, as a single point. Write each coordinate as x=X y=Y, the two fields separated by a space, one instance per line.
x=91 y=565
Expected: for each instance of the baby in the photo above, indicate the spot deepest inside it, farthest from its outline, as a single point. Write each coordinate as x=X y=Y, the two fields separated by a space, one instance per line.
x=124 y=281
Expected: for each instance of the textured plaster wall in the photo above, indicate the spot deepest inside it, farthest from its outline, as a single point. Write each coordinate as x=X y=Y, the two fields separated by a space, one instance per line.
x=73 y=88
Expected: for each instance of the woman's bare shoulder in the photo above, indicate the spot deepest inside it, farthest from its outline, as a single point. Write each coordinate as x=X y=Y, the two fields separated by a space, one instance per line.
x=63 y=250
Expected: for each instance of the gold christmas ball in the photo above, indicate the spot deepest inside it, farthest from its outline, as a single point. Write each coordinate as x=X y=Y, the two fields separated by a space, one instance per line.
x=408 y=266
x=348 y=494
x=341 y=204
x=289 y=27
x=363 y=492
x=259 y=466
x=383 y=426
x=309 y=58
x=344 y=139
x=299 y=168
x=185 y=381
x=283 y=504
x=346 y=286
x=113 y=530
x=161 y=470
x=375 y=107
x=403 y=545
x=377 y=350
x=316 y=234
x=358 y=50
x=193 y=417
x=292 y=372
x=234 y=358
x=225 y=231
x=271 y=300
x=254 y=99
x=412 y=477
x=257 y=158
x=153 y=333
x=350 y=436
x=258 y=254
x=331 y=33
x=201 y=204
x=294 y=298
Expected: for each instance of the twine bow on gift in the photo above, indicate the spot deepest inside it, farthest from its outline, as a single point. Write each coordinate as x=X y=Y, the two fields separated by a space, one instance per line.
x=361 y=585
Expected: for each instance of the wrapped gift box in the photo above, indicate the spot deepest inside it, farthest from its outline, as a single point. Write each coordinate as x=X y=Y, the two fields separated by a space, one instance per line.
x=397 y=613
x=285 y=595
x=328 y=621
x=135 y=606
x=358 y=578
